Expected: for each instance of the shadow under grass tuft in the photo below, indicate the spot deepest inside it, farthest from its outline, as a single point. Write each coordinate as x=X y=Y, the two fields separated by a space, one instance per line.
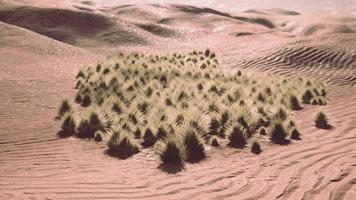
x=122 y=155
x=196 y=158
x=65 y=134
x=325 y=126
x=171 y=168
x=282 y=142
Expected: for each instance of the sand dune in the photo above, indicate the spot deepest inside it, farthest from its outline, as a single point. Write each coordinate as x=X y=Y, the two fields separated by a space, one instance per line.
x=41 y=48
x=158 y=30
x=69 y=26
x=325 y=58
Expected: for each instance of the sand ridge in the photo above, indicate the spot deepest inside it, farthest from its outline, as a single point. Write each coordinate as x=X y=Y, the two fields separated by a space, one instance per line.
x=38 y=68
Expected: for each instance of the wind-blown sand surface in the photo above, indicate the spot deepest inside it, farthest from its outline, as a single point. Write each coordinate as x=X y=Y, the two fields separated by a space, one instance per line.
x=42 y=45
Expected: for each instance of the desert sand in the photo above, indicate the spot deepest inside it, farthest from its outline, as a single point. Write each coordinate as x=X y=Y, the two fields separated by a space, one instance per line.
x=44 y=43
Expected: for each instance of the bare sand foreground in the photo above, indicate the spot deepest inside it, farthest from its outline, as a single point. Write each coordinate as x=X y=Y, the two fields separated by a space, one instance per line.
x=42 y=45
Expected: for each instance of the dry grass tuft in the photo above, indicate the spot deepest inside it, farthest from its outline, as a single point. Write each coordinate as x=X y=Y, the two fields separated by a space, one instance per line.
x=321 y=121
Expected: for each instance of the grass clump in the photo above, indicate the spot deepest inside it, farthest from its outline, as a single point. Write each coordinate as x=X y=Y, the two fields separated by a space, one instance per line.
x=172 y=153
x=149 y=139
x=295 y=134
x=321 y=121
x=98 y=136
x=68 y=125
x=307 y=97
x=237 y=138
x=64 y=107
x=89 y=125
x=194 y=145
x=137 y=133
x=256 y=148
x=294 y=103
x=214 y=141
x=263 y=131
x=278 y=133
x=122 y=145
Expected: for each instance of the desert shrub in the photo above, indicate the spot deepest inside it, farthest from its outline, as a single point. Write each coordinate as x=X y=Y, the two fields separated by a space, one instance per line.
x=224 y=122
x=238 y=73
x=149 y=139
x=161 y=132
x=80 y=74
x=137 y=133
x=242 y=103
x=98 y=68
x=68 y=125
x=98 y=136
x=268 y=91
x=316 y=92
x=314 y=102
x=78 y=98
x=156 y=96
x=237 y=138
x=200 y=86
x=321 y=121
x=117 y=107
x=64 y=108
x=169 y=102
x=291 y=124
x=179 y=120
x=149 y=92
x=207 y=53
x=89 y=125
x=194 y=145
x=256 y=148
x=294 y=103
x=308 y=84
x=263 y=131
x=171 y=150
x=243 y=120
x=278 y=133
x=214 y=142
x=281 y=114
x=261 y=97
x=106 y=71
x=320 y=102
x=214 y=126
x=122 y=145
x=86 y=100
x=295 y=134
x=307 y=97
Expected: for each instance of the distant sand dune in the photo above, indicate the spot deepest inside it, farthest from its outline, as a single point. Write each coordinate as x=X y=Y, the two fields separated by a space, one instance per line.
x=69 y=26
x=310 y=58
x=158 y=30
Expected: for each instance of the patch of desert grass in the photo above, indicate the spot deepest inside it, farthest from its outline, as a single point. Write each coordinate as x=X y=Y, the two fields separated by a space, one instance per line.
x=176 y=103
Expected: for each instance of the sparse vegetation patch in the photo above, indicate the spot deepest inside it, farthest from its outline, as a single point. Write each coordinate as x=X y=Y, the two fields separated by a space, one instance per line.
x=178 y=103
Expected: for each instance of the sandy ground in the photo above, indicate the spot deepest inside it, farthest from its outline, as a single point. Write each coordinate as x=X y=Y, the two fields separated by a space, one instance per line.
x=42 y=47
